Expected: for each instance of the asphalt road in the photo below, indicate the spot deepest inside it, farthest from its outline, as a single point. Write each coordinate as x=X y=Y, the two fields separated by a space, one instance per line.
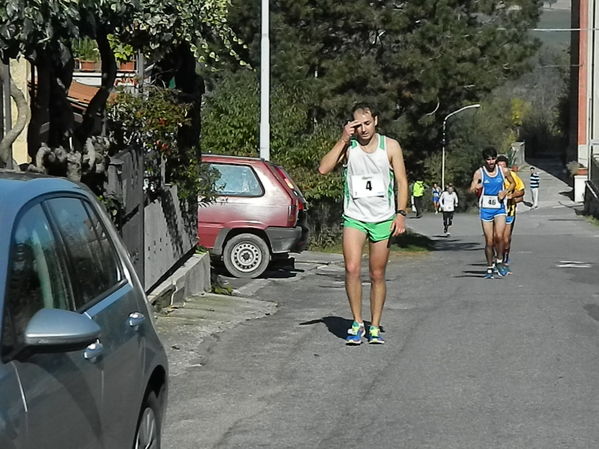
x=468 y=363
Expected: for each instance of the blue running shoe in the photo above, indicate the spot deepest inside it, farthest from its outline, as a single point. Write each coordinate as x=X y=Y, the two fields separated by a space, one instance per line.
x=374 y=337
x=355 y=334
x=502 y=269
x=489 y=274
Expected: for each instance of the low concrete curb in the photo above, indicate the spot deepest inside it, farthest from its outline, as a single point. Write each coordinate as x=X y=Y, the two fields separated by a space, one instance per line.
x=192 y=278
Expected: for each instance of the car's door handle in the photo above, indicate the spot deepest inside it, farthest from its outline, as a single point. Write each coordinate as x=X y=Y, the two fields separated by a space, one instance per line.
x=136 y=319
x=93 y=351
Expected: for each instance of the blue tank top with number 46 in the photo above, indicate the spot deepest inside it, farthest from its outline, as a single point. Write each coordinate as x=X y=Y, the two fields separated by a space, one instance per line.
x=492 y=185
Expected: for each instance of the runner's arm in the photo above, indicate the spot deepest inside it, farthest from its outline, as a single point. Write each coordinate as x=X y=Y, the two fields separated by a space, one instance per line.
x=518 y=195
x=509 y=190
x=339 y=150
x=401 y=184
x=476 y=185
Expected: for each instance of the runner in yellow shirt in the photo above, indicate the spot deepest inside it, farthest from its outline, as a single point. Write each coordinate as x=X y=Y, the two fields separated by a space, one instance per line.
x=510 y=219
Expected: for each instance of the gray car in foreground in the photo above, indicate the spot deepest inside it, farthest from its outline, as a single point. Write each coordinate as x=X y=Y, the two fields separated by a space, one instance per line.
x=81 y=364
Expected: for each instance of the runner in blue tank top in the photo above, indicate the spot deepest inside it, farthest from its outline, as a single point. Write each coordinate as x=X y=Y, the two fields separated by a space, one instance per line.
x=488 y=182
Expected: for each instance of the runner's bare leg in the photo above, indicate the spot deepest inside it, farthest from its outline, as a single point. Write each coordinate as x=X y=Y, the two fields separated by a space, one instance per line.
x=499 y=227
x=489 y=241
x=353 y=242
x=379 y=255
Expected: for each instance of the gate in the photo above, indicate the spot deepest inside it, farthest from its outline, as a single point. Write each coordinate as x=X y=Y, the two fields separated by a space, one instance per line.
x=159 y=234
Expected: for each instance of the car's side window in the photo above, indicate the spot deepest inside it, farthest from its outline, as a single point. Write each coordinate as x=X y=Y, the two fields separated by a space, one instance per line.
x=237 y=180
x=37 y=276
x=109 y=259
x=92 y=256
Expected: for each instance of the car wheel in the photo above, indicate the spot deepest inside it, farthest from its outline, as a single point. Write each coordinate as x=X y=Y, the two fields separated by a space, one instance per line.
x=246 y=256
x=147 y=435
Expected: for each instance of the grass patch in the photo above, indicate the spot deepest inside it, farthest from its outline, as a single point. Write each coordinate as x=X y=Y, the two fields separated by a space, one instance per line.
x=336 y=248
x=409 y=242
x=412 y=242
x=594 y=221
x=219 y=286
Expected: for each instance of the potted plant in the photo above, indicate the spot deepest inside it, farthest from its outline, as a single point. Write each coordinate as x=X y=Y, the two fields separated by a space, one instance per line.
x=123 y=54
x=86 y=54
x=576 y=168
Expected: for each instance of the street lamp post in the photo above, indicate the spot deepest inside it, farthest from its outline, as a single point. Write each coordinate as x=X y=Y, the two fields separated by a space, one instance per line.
x=470 y=106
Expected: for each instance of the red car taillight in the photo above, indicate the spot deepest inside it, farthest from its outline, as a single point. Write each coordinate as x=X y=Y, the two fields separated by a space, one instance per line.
x=292 y=215
x=291 y=185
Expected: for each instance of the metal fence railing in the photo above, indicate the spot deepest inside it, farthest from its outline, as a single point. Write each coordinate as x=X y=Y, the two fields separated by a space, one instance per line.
x=595 y=171
x=158 y=234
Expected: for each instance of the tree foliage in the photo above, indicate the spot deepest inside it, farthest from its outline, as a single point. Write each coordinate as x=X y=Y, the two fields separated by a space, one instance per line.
x=231 y=120
x=177 y=36
x=153 y=122
x=417 y=61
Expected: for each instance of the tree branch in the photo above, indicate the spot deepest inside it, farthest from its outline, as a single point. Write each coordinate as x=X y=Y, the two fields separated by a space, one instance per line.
x=22 y=119
x=92 y=120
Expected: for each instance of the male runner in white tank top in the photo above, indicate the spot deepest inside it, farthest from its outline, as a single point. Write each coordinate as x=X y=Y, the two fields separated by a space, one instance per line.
x=374 y=167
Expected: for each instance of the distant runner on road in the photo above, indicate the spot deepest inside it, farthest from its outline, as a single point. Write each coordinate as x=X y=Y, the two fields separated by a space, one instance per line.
x=448 y=203
x=374 y=165
x=489 y=181
x=436 y=192
x=512 y=203
x=535 y=181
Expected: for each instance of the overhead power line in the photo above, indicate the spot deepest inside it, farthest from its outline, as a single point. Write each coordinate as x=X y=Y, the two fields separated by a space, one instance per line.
x=564 y=29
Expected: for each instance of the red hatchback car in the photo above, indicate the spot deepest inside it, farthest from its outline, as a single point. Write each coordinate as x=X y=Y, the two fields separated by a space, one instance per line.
x=259 y=213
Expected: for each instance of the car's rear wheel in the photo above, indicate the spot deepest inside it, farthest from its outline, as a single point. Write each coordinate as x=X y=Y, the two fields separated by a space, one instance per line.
x=147 y=435
x=246 y=256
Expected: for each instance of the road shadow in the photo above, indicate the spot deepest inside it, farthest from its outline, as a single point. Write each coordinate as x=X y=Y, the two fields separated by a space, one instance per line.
x=412 y=240
x=568 y=194
x=550 y=164
x=457 y=245
x=277 y=269
x=280 y=272
x=471 y=274
x=336 y=325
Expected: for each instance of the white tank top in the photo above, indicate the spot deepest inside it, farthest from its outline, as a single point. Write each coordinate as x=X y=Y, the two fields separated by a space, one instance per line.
x=369 y=184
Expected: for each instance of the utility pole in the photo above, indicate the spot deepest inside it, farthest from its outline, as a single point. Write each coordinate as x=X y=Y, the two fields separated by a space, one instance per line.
x=265 y=84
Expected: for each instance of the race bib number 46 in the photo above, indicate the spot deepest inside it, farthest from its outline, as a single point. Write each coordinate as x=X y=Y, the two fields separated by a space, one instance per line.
x=490 y=202
x=367 y=185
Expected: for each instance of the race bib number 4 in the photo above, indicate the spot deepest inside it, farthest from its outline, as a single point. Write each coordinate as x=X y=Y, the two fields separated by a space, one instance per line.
x=367 y=185
x=490 y=202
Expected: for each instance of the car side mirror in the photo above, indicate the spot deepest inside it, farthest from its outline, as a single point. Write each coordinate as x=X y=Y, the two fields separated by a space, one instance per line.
x=56 y=330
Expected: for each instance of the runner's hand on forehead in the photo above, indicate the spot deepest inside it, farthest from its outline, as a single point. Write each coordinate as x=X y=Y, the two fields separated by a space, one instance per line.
x=350 y=129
